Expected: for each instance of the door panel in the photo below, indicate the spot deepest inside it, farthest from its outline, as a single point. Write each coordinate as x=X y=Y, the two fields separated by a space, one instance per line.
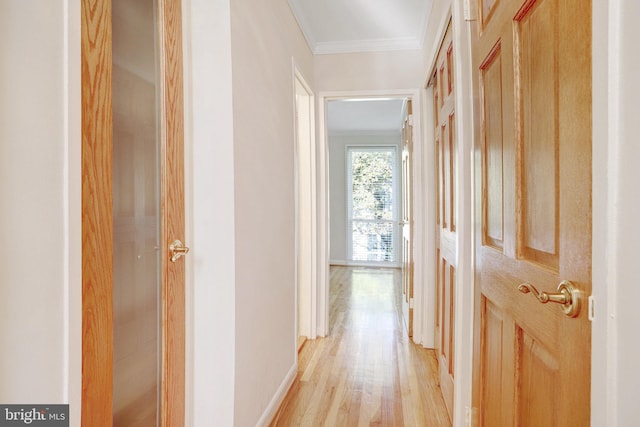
x=136 y=215
x=133 y=345
x=136 y=284
x=493 y=189
x=533 y=68
x=446 y=238
x=407 y=219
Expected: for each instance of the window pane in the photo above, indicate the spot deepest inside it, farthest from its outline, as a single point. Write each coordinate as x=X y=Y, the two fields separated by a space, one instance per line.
x=372 y=184
x=372 y=241
x=372 y=203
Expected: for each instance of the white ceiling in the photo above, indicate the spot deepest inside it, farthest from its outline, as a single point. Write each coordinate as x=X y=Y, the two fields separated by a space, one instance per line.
x=364 y=115
x=335 y=26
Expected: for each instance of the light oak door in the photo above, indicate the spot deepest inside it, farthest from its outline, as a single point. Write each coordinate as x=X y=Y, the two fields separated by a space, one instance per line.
x=532 y=62
x=133 y=214
x=446 y=236
x=407 y=220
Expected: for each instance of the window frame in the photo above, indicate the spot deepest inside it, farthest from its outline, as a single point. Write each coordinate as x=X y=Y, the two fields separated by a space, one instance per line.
x=396 y=202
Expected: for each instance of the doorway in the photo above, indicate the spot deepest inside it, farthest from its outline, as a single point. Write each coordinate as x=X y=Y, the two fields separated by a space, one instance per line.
x=364 y=138
x=306 y=210
x=333 y=174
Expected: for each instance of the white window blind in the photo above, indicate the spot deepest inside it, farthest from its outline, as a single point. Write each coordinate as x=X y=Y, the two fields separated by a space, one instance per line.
x=372 y=203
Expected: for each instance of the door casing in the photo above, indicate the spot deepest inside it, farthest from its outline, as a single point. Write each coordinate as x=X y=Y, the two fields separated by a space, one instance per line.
x=423 y=325
x=306 y=208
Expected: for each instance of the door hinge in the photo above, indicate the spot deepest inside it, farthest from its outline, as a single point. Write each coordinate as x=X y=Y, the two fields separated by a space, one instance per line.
x=410 y=302
x=591 y=308
x=470 y=416
x=410 y=119
x=470 y=11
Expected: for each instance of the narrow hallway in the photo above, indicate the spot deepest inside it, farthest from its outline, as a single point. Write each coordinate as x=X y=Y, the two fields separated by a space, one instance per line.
x=367 y=371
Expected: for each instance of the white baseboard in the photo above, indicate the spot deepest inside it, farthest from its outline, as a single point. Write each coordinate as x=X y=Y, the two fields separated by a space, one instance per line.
x=278 y=398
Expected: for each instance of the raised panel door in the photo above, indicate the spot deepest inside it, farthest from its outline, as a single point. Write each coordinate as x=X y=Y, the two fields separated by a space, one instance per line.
x=532 y=62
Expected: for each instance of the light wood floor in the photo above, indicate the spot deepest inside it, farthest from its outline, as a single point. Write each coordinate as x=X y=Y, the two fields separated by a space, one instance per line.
x=367 y=372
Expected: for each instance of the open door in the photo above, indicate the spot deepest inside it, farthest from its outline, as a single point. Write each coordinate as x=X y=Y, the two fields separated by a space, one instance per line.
x=532 y=60
x=446 y=215
x=133 y=361
x=407 y=218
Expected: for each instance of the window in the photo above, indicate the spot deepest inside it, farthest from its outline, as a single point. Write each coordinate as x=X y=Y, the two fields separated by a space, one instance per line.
x=372 y=204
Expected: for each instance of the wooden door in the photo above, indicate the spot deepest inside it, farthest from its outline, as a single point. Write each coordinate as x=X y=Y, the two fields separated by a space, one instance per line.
x=532 y=62
x=446 y=237
x=407 y=219
x=148 y=116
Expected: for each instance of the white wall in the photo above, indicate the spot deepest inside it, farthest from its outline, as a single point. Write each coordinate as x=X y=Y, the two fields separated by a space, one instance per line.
x=264 y=38
x=210 y=197
x=369 y=71
x=40 y=199
x=338 y=252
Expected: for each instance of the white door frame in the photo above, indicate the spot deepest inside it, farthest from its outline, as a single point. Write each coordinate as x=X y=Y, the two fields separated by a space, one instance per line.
x=423 y=325
x=306 y=246
x=615 y=348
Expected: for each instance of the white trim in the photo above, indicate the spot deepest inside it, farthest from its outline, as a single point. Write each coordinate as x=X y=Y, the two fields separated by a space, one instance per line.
x=189 y=280
x=323 y=201
x=322 y=147
x=615 y=349
x=428 y=206
x=465 y=277
x=72 y=213
x=309 y=306
x=602 y=332
x=273 y=406
x=443 y=23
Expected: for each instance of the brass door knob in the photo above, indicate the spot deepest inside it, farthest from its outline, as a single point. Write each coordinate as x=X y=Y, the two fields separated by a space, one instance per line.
x=177 y=250
x=567 y=295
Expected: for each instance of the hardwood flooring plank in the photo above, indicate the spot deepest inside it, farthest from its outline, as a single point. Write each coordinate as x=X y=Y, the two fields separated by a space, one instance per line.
x=367 y=372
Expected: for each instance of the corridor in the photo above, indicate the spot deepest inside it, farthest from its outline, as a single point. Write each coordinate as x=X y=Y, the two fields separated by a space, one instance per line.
x=367 y=372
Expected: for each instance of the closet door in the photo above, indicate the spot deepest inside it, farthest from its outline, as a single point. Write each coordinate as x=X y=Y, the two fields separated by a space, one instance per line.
x=133 y=214
x=446 y=235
